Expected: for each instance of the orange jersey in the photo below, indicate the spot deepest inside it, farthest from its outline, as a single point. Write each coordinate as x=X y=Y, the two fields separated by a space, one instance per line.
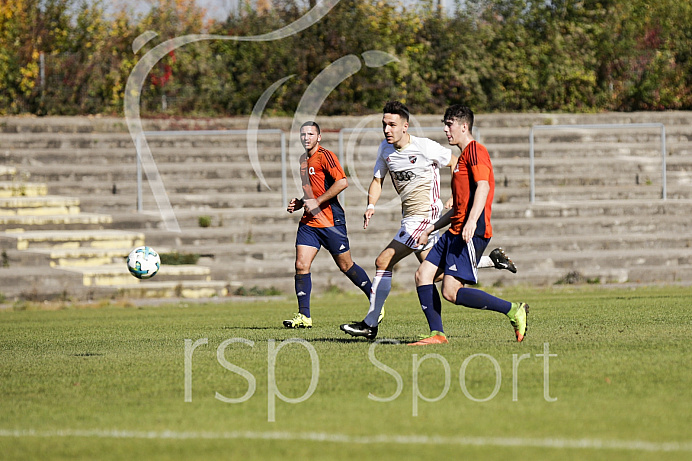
x=473 y=166
x=318 y=173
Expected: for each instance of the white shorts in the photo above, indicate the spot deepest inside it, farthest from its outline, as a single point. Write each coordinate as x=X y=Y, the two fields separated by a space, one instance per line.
x=410 y=230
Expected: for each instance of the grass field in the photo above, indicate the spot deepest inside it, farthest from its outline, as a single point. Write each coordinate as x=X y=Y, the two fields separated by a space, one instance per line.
x=110 y=382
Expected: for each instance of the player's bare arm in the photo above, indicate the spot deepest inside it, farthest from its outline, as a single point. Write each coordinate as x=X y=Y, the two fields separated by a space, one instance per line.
x=479 y=198
x=374 y=192
x=445 y=220
x=312 y=205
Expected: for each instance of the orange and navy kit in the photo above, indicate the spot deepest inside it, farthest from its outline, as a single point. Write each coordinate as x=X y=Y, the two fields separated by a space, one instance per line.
x=318 y=173
x=473 y=166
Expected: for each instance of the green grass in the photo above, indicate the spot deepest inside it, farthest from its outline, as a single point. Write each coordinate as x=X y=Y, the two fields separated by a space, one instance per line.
x=113 y=380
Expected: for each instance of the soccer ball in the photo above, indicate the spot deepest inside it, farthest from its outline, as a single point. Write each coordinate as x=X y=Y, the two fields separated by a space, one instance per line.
x=143 y=262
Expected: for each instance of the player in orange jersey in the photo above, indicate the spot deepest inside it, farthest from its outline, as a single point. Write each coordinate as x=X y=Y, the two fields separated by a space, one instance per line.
x=457 y=252
x=323 y=223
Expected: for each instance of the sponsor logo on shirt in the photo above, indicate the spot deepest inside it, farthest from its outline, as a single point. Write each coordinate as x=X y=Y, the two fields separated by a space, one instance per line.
x=403 y=175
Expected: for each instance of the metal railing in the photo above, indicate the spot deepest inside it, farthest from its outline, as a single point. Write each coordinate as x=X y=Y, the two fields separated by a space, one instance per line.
x=596 y=127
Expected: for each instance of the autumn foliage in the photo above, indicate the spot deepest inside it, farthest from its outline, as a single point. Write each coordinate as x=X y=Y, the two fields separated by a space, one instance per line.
x=74 y=57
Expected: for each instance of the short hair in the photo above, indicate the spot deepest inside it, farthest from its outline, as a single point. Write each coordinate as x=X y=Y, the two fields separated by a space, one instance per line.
x=395 y=107
x=461 y=113
x=311 y=123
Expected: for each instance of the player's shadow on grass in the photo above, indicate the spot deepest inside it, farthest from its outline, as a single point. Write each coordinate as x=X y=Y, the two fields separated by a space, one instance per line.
x=331 y=340
x=351 y=340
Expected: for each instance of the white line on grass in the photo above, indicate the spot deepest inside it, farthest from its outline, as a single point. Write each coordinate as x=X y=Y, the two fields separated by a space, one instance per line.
x=594 y=444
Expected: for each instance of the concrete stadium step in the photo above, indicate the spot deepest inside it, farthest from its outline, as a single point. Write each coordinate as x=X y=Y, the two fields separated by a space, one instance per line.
x=500 y=141
x=65 y=141
x=100 y=124
x=614 y=208
x=71 y=239
x=382 y=235
x=625 y=241
x=604 y=192
x=22 y=189
x=77 y=257
x=568 y=253
x=507 y=178
x=610 y=165
x=117 y=274
x=78 y=221
x=190 y=289
x=195 y=201
x=613 y=266
x=176 y=171
x=589 y=226
x=571 y=218
x=250 y=218
x=45 y=283
x=272 y=199
x=612 y=263
x=45 y=205
x=7 y=172
x=129 y=186
x=40 y=283
x=113 y=156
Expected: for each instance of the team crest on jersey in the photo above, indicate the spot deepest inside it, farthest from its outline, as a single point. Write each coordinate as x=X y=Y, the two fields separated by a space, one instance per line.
x=412 y=158
x=388 y=159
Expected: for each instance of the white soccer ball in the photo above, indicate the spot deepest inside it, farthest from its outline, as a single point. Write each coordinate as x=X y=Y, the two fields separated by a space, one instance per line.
x=143 y=262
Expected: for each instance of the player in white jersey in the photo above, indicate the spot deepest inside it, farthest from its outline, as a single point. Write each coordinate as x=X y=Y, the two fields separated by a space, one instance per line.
x=413 y=163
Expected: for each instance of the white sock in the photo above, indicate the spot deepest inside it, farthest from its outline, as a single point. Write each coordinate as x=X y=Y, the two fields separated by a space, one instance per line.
x=485 y=262
x=381 y=286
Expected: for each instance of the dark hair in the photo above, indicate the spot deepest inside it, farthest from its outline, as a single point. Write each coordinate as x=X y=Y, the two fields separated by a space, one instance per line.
x=395 y=107
x=461 y=113
x=311 y=123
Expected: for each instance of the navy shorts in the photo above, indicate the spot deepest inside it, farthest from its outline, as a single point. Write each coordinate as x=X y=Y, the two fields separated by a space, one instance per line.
x=334 y=239
x=458 y=258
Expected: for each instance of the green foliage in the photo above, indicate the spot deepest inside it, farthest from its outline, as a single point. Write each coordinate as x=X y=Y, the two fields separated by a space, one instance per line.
x=175 y=259
x=204 y=221
x=493 y=55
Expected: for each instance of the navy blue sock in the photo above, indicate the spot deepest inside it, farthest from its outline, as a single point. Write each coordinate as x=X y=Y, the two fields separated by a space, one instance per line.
x=360 y=279
x=303 y=289
x=478 y=299
x=437 y=302
x=426 y=296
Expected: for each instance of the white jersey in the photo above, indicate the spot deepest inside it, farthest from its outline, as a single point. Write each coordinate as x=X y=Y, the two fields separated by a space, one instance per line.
x=415 y=172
